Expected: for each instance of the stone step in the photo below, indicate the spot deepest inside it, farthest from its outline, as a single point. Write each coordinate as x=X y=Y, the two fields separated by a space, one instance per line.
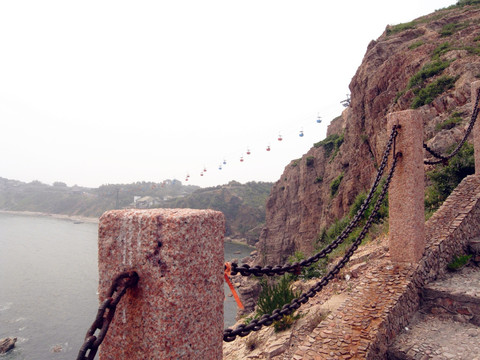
x=430 y=337
x=447 y=325
x=456 y=296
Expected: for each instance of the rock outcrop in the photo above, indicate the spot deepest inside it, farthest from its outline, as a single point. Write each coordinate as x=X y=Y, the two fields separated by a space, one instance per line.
x=302 y=201
x=7 y=344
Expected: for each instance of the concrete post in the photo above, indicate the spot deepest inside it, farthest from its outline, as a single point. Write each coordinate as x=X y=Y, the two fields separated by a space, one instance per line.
x=476 y=128
x=406 y=194
x=176 y=310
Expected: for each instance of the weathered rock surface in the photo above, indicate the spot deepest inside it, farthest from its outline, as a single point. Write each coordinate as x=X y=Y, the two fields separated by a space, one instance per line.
x=7 y=344
x=301 y=204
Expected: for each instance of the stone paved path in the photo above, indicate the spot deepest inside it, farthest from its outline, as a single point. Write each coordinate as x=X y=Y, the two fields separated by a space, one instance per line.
x=447 y=325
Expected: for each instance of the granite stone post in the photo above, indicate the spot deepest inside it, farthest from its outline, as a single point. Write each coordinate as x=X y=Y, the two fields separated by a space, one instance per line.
x=406 y=194
x=476 y=128
x=176 y=310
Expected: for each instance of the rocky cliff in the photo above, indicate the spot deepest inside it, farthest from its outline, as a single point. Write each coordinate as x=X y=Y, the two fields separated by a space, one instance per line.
x=428 y=64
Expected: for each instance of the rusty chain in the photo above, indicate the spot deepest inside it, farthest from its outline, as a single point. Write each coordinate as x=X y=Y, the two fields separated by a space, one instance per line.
x=246 y=270
x=103 y=319
x=444 y=159
x=267 y=319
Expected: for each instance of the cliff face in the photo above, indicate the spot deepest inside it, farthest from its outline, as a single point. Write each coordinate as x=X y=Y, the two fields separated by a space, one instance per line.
x=242 y=205
x=406 y=62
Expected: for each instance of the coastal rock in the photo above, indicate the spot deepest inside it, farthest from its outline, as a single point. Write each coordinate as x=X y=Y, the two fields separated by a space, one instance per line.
x=302 y=201
x=7 y=344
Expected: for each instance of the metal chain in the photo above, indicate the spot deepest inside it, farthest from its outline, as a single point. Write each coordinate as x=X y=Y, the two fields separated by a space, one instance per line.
x=102 y=321
x=444 y=159
x=246 y=270
x=267 y=319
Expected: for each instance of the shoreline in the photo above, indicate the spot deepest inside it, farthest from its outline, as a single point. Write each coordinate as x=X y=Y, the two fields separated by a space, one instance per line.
x=74 y=218
x=238 y=242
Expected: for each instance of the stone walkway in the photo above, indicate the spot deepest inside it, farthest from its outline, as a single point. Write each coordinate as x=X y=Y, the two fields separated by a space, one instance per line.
x=351 y=331
x=447 y=325
x=383 y=298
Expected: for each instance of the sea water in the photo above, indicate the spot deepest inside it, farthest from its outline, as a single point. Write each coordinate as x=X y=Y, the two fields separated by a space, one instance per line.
x=48 y=285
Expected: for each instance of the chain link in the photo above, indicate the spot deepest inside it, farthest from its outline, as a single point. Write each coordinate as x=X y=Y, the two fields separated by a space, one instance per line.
x=267 y=319
x=103 y=319
x=246 y=270
x=444 y=159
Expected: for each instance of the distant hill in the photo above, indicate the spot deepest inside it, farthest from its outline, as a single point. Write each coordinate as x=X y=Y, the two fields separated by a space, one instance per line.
x=82 y=201
x=243 y=205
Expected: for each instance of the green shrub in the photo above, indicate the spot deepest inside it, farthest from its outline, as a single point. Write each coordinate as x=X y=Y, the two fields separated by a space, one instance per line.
x=331 y=144
x=459 y=261
x=416 y=44
x=432 y=90
x=467 y=2
x=429 y=70
x=313 y=271
x=451 y=28
x=474 y=50
x=400 y=27
x=450 y=123
x=318 y=180
x=444 y=179
x=398 y=96
x=327 y=236
x=274 y=296
x=309 y=160
x=334 y=185
x=440 y=50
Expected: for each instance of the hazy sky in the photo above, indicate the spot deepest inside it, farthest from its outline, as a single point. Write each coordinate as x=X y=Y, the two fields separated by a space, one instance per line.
x=96 y=92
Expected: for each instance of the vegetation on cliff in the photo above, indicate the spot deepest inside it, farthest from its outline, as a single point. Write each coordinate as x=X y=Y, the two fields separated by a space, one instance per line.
x=429 y=64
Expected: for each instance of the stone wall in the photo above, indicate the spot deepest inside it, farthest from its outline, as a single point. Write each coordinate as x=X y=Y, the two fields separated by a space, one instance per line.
x=447 y=235
x=388 y=293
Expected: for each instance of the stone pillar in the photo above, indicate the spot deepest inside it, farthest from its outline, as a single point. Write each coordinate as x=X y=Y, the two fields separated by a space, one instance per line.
x=406 y=194
x=476 y=128
x=176 y=310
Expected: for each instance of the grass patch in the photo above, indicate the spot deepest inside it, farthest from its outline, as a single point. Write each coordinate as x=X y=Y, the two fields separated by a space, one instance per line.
x=313 y=271
x=474 y=50
x=331 y=144
x=461 y=3
x=394 y=29
x=452 y=28
x=459 y=262
x=444 y=179
x=274 y=296
x=451 y=122
x=429 y=70
x=431 y=91
x=335 y=184
x=416 y=44
x=441 y=49
x=380 y=223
